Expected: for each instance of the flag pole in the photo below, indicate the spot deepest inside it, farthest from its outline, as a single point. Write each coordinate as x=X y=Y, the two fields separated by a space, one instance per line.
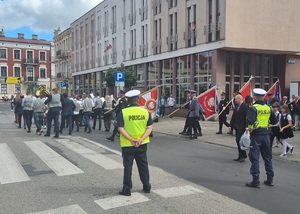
x=251 y=77
x=272 y=86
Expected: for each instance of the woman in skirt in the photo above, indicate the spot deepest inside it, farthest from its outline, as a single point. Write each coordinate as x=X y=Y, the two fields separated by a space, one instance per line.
x=285 y=129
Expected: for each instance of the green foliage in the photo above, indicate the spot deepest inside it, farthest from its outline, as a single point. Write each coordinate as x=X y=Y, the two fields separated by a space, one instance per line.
x=130 y=76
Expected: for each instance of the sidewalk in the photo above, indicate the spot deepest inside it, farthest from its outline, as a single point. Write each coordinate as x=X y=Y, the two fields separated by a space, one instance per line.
x=172 y=126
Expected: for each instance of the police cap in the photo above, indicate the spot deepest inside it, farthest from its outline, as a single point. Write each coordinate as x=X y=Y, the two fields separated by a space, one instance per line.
x=122 y=92
x=259 y=92
x=193 y=91
x=132 y=94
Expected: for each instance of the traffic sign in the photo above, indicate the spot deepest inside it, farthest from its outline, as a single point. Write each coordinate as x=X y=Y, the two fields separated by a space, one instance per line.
x=119 y=84
x=63 y=84
x=119 y=76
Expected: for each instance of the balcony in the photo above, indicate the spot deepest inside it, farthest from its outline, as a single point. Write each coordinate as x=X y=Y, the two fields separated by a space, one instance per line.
x=61 y=54
x=30 y=79
x=30 y=61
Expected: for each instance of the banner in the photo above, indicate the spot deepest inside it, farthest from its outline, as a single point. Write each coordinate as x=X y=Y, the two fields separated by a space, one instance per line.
x=208 y=101
x=149 y=100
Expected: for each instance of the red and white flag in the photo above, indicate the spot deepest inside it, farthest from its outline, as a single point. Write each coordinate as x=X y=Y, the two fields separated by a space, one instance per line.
x=246 y=89
x=275 y=88
x=149 y=100
x=208 y=101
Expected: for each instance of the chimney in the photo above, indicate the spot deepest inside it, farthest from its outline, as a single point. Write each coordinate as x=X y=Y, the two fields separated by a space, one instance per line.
x=20 y=35
x=2 y=33
x=34 y=36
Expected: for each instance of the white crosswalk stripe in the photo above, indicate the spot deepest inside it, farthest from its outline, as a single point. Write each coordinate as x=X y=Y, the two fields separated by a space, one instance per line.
x=101 y=160
x=11 y=170
x=118 y=201
x=53 y=160
x=72 y=209
x=177 y=191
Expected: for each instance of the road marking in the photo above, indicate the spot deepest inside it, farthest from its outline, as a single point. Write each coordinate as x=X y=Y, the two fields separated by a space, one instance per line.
x=177 y=191
x=120 y=201
x=101 y=146
x=53 y=160
x=11 y=170
x=74 y=209
x=101 y=160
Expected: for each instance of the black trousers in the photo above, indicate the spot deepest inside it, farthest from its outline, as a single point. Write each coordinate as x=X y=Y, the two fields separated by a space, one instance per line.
x=53 y=115
x=75 y=119
x=242 y=153
x=139 y=154
x=28 y=114
x=192 y=125
x=97 y=114
x=64 y=119
x=222 y=120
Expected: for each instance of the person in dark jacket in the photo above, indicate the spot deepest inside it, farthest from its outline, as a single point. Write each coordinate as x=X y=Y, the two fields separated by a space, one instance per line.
x=240 y=125
x=68 y=107
x=223 y=112
x=19 y=110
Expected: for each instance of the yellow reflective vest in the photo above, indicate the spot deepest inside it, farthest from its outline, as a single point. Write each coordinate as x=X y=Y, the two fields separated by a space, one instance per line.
x=135 y=124
x=263 y=116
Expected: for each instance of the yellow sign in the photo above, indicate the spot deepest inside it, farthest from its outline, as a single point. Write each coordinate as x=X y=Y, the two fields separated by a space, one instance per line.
x=13 y=80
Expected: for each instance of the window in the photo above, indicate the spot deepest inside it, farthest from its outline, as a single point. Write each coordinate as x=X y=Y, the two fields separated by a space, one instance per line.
x=3 y=71
x=17 y=71
x=30 y=55
x=18 y=88
x=42 y=72
x=2 y=53
x=17 y=54
x=42 y=56
x=3 y=88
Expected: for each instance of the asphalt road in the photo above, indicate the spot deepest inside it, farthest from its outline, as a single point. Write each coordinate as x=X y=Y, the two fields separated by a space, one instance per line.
x=217 y=182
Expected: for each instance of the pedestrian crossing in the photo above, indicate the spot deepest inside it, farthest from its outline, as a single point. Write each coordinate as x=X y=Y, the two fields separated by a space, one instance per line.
x=11 y=171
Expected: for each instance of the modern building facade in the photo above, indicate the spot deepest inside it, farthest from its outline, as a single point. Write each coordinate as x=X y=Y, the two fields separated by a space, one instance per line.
x=25 y=59
x=185 y=44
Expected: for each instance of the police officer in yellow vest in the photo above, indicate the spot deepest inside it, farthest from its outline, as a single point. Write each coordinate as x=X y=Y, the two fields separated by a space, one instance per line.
x=135 y=125
x=260 y=139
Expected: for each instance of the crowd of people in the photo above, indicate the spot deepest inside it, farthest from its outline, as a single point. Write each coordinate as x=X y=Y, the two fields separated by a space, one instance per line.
x=72 y=113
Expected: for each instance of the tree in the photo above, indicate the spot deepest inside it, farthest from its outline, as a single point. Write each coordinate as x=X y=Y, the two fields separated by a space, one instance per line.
x=130 y=76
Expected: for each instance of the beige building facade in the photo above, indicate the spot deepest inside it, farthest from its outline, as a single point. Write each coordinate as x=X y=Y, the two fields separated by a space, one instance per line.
x=62 y=60
x=187 y=44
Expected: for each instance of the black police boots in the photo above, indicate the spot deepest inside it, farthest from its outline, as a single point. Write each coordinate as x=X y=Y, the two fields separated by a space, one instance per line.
x=269 y=183
x=252 y=184
x=125 y=191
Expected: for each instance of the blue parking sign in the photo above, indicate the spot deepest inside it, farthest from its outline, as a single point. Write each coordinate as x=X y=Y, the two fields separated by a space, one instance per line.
x=63 y=84
x=119 y=76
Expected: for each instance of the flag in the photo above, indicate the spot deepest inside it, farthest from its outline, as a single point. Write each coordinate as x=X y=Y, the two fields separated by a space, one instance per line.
x=109 y=46
x=246 y=89
x=272 y=90
x=278 y=92
x=149 y=100
x=208 y=101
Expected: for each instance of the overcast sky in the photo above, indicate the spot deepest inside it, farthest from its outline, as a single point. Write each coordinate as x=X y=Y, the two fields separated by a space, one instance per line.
x=42 y=16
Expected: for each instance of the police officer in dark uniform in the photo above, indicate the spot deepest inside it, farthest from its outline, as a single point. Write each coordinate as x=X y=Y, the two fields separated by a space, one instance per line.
x=135 y=125
x=120 y=104
x=193 y=115
x=224 y=108
x=258 y=118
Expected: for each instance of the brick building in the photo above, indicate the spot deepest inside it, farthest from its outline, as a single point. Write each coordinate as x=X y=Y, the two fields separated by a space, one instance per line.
x=26 y=59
